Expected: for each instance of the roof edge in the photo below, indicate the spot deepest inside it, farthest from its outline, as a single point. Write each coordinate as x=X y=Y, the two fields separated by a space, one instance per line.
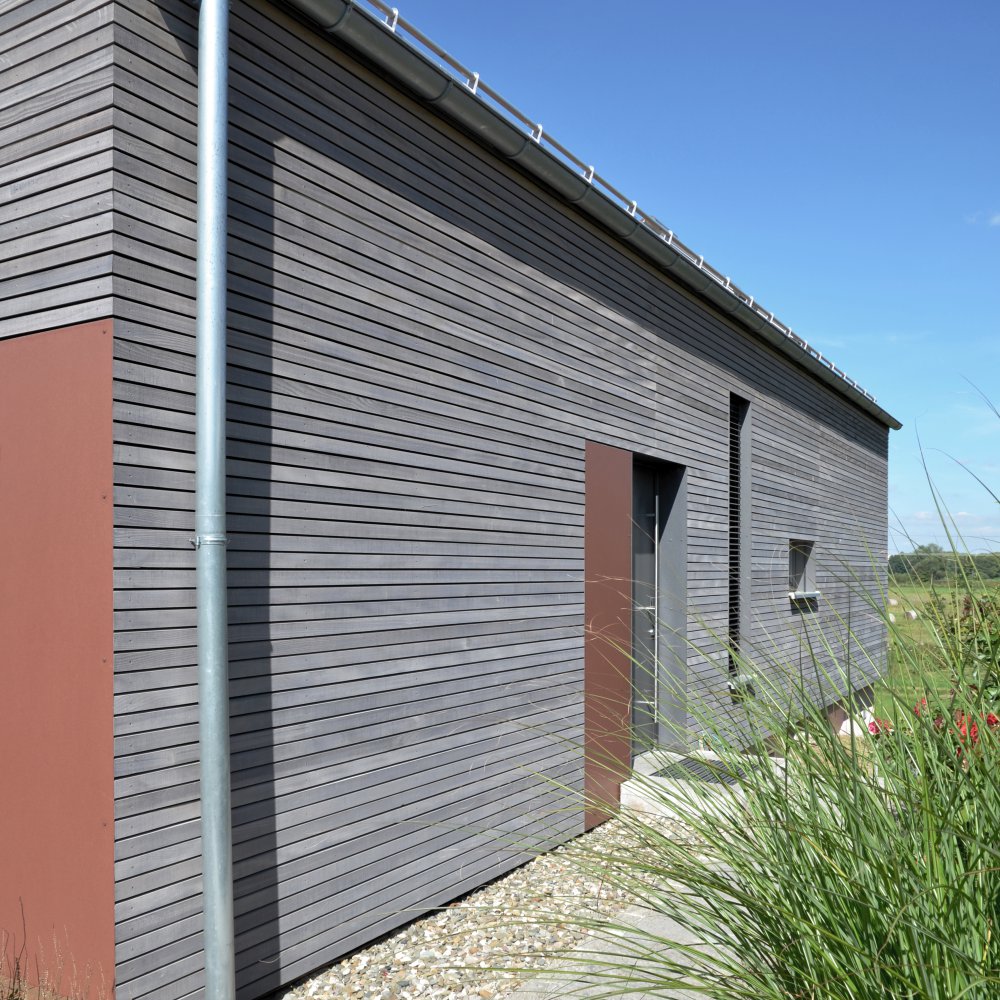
x=458 y=101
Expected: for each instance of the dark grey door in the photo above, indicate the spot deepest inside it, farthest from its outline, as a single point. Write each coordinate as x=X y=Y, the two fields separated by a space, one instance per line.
x=659 y=605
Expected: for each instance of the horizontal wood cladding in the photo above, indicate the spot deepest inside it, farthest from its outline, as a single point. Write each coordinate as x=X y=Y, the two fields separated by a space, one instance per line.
x=421 y=342
x=56 y=120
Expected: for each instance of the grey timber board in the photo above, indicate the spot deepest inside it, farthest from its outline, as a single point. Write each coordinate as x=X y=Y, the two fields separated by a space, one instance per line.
x=178 y=732
x=361 y=712
x=421 y=342
x=28 y=126
x=291 y=377
x=396 y=423
x=348 y=659
x=398 y=610
x=379 y=820
x=391 y=840
x=56 y=206
x=249 y=438
x=485 y=545
x=325 y=520
x=29 y=23
x=420 y=892
x=355 y=717
x=309 y=816
x=280 y=599
x=51 y=79
x=310 y=826
x=37 y=163
x=412 y=872
x=253 y=839
x=293 y=684
x=303 y=851
x=55 y=165
x=142 y=791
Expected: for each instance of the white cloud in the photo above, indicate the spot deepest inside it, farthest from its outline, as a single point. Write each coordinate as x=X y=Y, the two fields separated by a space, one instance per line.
x=990 y=218
x=967 y=530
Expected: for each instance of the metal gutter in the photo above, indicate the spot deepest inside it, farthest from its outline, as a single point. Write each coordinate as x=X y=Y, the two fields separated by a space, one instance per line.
x=210 y=500
x=461 y=96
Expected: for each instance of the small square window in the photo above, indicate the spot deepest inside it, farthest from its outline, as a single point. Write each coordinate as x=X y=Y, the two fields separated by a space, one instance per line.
x=801 y=570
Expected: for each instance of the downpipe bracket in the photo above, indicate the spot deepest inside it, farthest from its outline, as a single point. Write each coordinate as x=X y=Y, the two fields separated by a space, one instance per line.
x=209 y=539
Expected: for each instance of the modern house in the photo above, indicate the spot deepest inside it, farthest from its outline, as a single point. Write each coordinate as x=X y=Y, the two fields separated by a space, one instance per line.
x=482 y=414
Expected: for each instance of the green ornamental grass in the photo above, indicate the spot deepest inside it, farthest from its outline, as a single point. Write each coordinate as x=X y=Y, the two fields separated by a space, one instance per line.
x=819 y=866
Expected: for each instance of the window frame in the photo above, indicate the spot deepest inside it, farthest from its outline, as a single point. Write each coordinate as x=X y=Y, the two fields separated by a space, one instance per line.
x=802 y=570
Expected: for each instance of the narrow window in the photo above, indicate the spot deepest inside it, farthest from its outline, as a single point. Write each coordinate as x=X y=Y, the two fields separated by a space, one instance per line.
x=739 y=501
x=801 y=571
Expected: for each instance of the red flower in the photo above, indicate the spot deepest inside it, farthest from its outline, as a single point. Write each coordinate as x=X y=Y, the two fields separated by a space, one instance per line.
x=878 y=727
x=967 y=727
x=920 y=704
x=992 y=721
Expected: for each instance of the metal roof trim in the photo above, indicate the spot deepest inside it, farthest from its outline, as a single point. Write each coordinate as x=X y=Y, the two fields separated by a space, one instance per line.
x=377 y=42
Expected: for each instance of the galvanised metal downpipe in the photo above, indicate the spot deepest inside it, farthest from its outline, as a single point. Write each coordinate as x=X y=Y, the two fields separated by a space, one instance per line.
x=210 y=499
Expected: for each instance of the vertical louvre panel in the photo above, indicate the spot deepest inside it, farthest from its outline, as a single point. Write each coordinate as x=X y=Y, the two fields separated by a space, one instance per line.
x=738 y=409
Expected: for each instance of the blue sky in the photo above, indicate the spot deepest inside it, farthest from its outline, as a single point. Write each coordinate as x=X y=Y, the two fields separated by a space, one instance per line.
x=840 y=162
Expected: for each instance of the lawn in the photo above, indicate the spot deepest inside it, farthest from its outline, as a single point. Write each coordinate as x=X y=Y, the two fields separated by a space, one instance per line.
x=916 y=663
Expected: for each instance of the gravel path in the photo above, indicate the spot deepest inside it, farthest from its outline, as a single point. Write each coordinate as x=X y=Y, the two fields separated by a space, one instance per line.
x=486 y=945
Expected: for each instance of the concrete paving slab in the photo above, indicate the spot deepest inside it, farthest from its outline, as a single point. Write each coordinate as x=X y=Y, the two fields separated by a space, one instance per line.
x=584 y=961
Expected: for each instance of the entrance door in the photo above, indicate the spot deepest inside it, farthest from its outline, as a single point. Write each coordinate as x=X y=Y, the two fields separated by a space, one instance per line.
x=659 y=606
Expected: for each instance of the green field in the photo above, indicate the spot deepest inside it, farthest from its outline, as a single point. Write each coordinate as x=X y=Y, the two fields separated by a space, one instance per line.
x=916 y=661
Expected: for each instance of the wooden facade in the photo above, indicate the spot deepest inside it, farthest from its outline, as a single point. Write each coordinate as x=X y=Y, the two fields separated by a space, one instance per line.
x=423 y=342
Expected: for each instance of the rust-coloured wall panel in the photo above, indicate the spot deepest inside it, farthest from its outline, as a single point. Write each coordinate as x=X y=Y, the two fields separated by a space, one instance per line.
x=56 y=737
x=607 y=597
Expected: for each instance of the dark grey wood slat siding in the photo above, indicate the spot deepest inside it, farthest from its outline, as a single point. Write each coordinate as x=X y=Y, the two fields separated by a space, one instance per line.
x=55 y=164
x=421 y=342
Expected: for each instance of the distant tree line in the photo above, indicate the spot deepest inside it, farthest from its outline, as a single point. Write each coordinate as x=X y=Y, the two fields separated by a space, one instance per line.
x=932 y=564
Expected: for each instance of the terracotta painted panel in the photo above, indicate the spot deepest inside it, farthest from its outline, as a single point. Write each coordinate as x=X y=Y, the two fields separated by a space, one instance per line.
x=56 y=502
x=607 y=598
